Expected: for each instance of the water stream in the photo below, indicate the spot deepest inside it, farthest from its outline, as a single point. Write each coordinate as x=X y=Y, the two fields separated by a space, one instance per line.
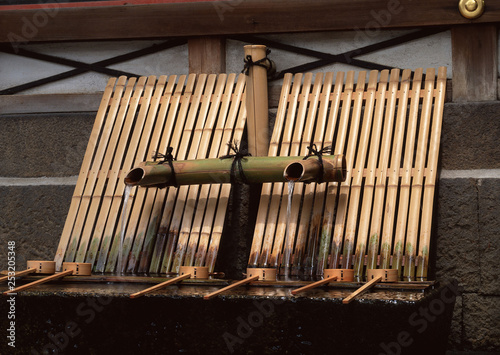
x=288 y=244
x=126 y=195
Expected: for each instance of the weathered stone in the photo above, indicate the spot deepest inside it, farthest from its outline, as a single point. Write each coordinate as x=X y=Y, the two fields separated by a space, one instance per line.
x=87 y=318
x=457 y=239
x=489 y=235
x=470 y=134
x=43 y=144
x=455 y=337
x=481 y=322
x=33 y=217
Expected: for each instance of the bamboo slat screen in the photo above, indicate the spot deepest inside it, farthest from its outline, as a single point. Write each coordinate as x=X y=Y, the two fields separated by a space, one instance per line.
x=196 y=115
x=388 y=125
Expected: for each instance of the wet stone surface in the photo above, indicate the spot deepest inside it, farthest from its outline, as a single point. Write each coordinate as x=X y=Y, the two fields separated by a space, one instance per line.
x=84 y=318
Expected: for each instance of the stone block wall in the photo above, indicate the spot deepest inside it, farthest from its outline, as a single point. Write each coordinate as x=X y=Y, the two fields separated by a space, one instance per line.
x=467 y=238
x=40 y=156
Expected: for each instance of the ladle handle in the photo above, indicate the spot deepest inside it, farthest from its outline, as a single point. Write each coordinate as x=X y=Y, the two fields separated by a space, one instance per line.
x=160 y=285
x=41 y=281
x=236 y=284
x=19 y=273
x=361 y=290
x=314 y=284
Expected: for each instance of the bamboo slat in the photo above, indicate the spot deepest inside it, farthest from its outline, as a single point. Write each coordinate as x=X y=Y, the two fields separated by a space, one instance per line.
x=208 y=224
x=343 y=190
x=369 y=181
x=139 y=211
x=387 y=197
x=393 y=173
x=168 y=195
x=418 y=178
x=314 y=131
x=91 y=190
x=113 y=196
x=146 y=197
x=135 y=146
x=280 y=124
x=381 y=171
x=87 y=160
x=290 y=145
x=157 y=197
x=102 y=173
x=430 y=178
x=320 y=224
x=112 y=176
x=407 y=164
x=301 y=139
x=195 y=238
x=355 y=186
x=176 y=197
x=203 y=136
x=196 y=123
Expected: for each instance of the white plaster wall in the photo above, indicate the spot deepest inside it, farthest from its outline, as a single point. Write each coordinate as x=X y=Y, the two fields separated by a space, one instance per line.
x=16 y=70
x=428 y=52
x=432 y=51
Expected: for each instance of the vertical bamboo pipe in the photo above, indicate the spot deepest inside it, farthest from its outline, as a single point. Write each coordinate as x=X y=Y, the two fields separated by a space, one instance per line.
x=257 y=102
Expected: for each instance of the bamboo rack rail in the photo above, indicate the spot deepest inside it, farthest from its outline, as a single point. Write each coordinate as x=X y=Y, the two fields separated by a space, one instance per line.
x=195 y=115
x=387 y=125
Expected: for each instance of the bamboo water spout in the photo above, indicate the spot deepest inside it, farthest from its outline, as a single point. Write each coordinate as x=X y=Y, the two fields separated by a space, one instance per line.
x=254 y=170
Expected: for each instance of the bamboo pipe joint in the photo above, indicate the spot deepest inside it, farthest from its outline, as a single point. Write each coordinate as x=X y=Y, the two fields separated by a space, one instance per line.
x=255 y=170
x=331 y=168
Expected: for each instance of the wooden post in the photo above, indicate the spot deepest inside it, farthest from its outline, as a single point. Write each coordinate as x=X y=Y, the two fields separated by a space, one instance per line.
x=257 y=103
x=207 y=55
x=475 y=62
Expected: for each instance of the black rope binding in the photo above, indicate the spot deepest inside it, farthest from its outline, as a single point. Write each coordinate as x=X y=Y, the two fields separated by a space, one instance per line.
x=313 y=151
x=238 y=155
x=260 y=63
x=167 y=158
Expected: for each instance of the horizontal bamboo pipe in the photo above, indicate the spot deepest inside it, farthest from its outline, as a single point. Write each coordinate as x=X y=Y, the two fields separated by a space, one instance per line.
x=160 y=285
x=255 y=170
x=41 y=281
x=19 y=273
x=236 y=284
x=314 y=284
x=361 y=290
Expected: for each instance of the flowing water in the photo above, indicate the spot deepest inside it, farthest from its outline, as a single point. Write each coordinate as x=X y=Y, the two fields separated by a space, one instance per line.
x=288 y=243
x=126 y=195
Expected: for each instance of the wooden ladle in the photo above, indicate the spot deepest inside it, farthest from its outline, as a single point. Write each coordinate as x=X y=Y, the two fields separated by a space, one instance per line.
x=69 y=268
x=253 y=274
x=185 y=272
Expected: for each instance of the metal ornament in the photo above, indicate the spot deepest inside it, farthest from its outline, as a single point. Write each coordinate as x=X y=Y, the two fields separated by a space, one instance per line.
x=471 y=9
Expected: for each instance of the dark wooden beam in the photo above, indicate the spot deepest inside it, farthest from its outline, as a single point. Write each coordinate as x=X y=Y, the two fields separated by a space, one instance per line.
x=58 y=23
x=475 y=62
x=207 y=55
